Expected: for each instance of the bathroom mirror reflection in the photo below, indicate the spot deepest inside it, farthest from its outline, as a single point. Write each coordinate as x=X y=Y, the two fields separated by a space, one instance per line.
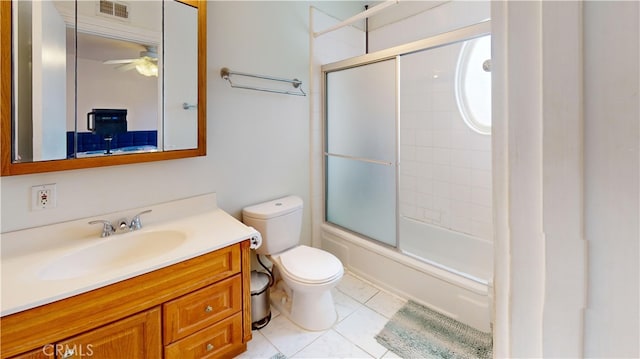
x=117 y=83
x=103 y=78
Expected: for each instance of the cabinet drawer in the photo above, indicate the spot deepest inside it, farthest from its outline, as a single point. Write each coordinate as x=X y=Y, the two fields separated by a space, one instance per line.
x=202 y=308
x=220 y=340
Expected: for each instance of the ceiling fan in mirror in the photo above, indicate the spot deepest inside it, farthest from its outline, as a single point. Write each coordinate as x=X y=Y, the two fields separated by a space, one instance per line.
x=146 y=64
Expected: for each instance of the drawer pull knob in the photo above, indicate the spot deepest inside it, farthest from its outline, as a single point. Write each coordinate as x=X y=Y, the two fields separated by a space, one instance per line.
x=209 y=347
x=68 y=353
x=208 y=309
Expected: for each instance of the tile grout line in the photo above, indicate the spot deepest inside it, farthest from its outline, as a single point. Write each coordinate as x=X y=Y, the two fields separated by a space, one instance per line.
x=360 y=305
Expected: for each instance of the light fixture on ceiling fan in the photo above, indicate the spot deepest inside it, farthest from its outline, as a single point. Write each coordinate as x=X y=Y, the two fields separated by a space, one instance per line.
x=146 y=64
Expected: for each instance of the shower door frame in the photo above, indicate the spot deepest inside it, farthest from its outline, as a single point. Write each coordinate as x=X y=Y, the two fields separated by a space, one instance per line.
x=394 y=53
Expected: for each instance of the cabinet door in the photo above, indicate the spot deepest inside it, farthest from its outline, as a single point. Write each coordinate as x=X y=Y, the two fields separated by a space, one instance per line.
x=137 y=336
x=46 y=352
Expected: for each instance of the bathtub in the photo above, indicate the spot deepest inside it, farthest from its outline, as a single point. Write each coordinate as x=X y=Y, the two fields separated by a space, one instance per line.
x=462 y=254
x=454 y=279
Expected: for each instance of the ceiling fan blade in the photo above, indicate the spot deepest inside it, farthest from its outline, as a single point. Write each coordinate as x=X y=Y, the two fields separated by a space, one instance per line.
x=122 y=61
x=127 y=67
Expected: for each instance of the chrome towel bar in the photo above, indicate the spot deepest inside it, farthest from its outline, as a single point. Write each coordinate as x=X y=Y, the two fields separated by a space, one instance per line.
x=226 y=74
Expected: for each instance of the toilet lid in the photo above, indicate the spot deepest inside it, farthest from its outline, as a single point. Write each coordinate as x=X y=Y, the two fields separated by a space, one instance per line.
x=311 y=265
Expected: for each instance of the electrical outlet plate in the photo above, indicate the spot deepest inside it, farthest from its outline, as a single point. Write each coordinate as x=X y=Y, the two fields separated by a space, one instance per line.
x=43 y=197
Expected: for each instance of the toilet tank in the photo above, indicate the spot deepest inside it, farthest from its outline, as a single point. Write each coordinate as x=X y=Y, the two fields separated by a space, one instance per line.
x=278 y=221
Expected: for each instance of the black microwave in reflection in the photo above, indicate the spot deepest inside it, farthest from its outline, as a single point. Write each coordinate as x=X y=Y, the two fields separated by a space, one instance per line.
x=107 y=122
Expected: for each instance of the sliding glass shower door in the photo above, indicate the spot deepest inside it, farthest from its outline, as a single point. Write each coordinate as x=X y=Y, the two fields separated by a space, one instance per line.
x=360 y=150
x=408 y=144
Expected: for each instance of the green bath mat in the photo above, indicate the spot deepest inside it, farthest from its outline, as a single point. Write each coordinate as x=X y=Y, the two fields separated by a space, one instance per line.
x=416 y=331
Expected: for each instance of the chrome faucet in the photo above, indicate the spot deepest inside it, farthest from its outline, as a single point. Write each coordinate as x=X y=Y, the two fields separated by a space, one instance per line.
x=124 y=225
x=136 y=223
x=107 y=228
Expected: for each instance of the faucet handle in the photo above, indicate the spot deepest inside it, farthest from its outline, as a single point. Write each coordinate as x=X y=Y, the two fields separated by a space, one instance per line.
x=107 y=227
x=136 y=223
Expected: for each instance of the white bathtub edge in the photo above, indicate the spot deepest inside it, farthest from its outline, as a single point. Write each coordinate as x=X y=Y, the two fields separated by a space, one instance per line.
x=474 y=285
x=459 y=298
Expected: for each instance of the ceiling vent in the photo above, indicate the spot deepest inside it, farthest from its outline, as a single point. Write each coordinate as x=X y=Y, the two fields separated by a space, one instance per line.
x=113 y=8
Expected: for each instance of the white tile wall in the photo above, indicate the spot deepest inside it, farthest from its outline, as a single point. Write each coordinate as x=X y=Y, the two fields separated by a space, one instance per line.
x=445 y=167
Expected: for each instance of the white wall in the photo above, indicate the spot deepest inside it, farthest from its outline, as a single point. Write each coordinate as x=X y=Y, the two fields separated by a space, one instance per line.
x=259 y=141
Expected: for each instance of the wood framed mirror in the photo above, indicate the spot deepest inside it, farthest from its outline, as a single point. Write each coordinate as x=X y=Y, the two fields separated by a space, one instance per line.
x=169 y=108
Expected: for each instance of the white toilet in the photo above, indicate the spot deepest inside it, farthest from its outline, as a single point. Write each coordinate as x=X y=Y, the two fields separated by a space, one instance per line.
x=308 y=273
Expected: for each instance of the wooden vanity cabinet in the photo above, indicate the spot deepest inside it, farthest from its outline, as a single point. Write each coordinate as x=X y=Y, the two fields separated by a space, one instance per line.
x=199 y=308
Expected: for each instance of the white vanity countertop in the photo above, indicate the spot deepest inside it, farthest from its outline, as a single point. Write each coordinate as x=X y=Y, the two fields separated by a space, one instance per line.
x=26 y=254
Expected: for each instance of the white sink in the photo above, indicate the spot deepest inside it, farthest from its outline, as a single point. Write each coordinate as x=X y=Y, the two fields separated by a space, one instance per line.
x=113 y=252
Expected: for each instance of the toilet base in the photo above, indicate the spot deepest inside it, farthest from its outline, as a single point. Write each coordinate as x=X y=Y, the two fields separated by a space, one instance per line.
x=310 y=312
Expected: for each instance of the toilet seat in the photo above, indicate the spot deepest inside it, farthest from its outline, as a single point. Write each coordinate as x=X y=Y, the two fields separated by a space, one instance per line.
x=311 y=265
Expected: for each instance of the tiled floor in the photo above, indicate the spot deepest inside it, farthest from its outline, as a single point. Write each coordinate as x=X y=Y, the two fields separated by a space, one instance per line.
x=363 y=310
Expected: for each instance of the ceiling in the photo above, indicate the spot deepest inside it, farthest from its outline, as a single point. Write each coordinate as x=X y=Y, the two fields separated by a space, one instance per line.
x=101 y=48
